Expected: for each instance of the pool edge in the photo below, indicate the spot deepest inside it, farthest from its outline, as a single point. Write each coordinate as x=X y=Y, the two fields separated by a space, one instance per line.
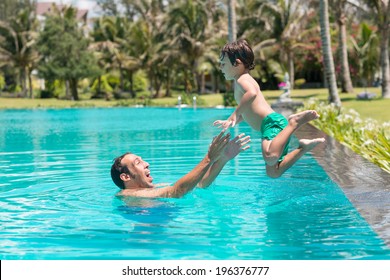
x=365 y=184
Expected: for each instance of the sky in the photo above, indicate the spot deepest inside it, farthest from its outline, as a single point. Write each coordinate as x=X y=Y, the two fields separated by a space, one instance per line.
x=89 y=5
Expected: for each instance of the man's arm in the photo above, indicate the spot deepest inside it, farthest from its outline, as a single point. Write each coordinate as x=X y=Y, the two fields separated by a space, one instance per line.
x=235 y=146
x=190 y=180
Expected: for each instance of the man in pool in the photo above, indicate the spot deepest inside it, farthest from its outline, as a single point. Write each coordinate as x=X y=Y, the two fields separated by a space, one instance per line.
x=131 y=173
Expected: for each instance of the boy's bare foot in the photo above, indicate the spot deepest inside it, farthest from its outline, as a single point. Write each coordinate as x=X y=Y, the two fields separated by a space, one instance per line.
x=301 y=118
x=309 y=144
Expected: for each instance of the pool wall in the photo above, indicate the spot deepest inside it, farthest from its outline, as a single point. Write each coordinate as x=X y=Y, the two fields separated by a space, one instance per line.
x=365 y=184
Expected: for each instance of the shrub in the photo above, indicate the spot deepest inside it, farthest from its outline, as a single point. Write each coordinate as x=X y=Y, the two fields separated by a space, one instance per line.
x=104 y=85
x=2 y=82
x=189 y=99
x=140 y=81
x=228 y=99
x=365 y=137
x=299 y=82
x=113 y=80
x=46 y=93
x=53 y=89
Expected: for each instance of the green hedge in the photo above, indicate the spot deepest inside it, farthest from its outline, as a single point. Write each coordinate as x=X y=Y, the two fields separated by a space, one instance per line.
x=365 y=137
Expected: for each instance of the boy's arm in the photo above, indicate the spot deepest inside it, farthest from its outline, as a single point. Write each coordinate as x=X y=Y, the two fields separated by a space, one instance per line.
x=234 y=147
x=246 y=100
x=227 y=123
x=190 y=180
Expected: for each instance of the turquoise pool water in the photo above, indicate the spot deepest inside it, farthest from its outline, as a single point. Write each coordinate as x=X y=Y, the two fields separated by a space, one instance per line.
x=58 y=202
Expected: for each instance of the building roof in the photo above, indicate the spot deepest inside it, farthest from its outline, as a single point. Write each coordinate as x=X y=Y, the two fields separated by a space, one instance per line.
x=44 y=7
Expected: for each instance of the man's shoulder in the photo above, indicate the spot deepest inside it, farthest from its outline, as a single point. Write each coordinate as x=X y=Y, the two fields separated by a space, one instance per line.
x=162 y=185
x=157 y=191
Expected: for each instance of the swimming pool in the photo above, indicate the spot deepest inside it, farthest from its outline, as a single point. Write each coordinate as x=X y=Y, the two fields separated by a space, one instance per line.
x=58 y=201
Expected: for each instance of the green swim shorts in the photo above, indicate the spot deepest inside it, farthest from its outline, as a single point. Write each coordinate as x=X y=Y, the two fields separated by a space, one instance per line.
x=271 y=126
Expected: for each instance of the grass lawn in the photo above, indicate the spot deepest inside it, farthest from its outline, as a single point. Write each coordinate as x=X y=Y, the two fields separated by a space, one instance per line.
x=24 y=103
x=376 y=109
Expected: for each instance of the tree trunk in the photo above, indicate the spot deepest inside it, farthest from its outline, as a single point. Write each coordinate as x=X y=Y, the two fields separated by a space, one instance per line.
x=213 y=83
x=99 y=87
x=23 y=82
x=198 y=79
x=291 y=70
x=346 y=82
x=385 y=63
x=151 y=82
x=327 y=54
x=73 y=89
x=187 y=87
x=232 y=22
x=216 y=82
x=168 y=84
x=203 y=82
x=131 y=78
x=121 y=84
x=157 y=87
x=30 y=84
x=67 y=94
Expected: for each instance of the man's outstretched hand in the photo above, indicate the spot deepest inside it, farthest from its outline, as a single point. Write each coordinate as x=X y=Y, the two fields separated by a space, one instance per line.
x=218 y=146
x=236 y=146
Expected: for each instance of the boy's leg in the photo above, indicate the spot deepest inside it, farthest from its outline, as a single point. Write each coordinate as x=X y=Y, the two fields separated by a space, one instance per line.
x=305 y=145
x=272 y=149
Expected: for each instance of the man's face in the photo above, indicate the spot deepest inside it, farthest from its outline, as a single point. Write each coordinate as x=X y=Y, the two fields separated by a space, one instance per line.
x=139 y=170
x=227 y=68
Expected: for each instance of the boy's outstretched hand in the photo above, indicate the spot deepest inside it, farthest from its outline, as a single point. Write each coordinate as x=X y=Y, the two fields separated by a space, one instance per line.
x=230 y=122
x=223 y=124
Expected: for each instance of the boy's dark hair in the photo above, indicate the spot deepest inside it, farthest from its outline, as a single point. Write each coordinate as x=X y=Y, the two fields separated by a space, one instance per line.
x=241 y=50
x=117 y=169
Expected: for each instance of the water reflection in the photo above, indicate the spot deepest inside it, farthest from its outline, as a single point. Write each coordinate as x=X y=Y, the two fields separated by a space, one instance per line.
x=148 y=215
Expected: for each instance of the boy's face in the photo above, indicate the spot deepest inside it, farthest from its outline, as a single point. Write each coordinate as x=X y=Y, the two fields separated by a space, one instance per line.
x=228 y=70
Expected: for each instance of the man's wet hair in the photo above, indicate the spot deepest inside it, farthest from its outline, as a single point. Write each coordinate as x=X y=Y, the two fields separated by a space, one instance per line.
x=117 y=169
x=241 y=50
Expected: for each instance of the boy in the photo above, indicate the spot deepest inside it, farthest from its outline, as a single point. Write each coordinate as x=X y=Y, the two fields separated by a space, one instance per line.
x=236 y=60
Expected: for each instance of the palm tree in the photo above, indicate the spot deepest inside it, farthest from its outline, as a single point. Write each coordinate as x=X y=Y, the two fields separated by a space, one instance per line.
x=9 y=8
x=232 y=20
x=366 y=46
x=147 y=40
x=341 y=10
x=103 y=47
x=285 y=22
x=381 y=10
x=136 y=45
x=327 y=54
x=216 y=34
x=111 y=41
x=18 y=46
x=188 y=24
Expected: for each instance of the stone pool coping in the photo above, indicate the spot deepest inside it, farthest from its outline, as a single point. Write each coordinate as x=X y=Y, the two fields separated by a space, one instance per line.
x=365 y=184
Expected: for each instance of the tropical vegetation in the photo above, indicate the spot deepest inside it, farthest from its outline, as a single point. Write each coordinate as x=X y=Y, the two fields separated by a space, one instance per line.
x=158 y=46
x=139 y=51
x=366 y=137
